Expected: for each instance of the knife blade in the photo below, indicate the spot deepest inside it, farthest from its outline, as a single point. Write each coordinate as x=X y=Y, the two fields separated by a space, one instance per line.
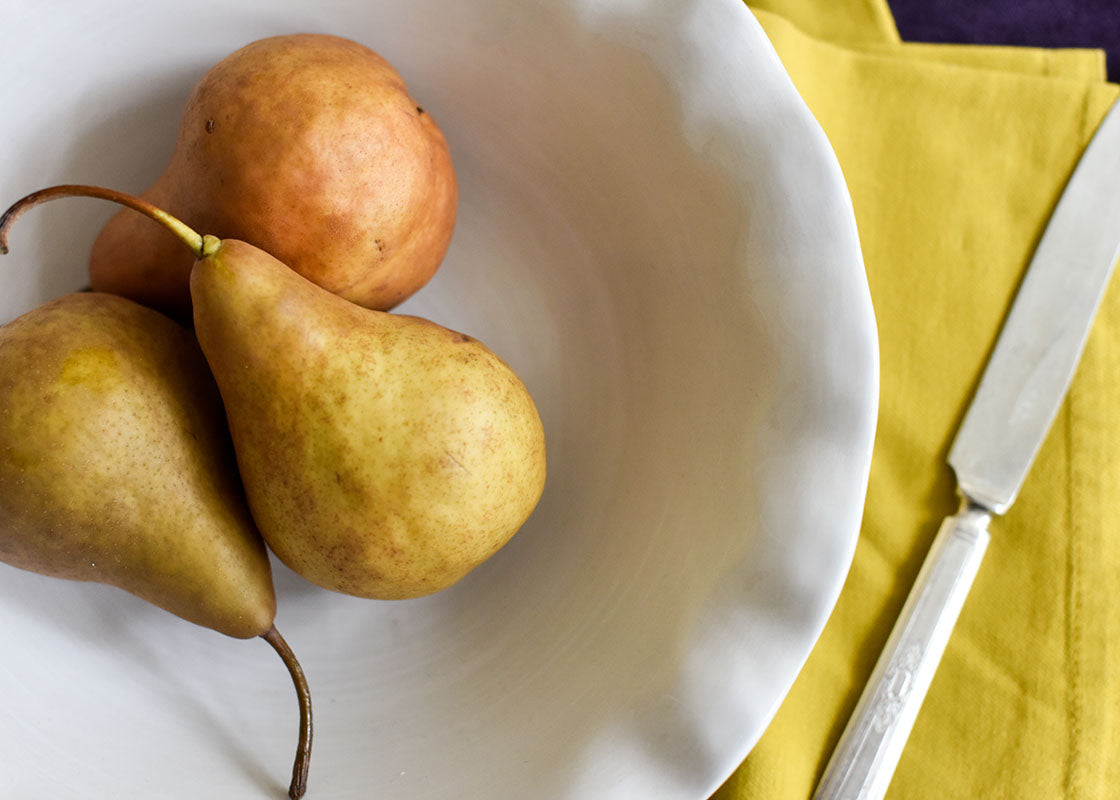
x=1020 y=392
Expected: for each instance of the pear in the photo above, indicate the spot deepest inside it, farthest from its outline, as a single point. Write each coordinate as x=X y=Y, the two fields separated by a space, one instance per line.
x=382 y=455
x=116 y=467
x=311 y=147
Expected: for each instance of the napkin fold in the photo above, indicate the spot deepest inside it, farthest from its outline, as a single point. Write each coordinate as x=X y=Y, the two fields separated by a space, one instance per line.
x=955 y=157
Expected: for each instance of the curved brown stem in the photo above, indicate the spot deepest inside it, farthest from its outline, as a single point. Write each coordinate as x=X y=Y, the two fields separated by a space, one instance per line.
x=197 y=243
x=303 y=750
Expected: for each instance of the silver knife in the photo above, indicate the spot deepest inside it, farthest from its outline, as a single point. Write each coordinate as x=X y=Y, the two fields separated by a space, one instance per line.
x=1020 y=392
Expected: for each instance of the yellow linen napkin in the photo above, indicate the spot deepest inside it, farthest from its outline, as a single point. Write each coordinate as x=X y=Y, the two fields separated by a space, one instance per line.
x=954 y=157
x=840 y=21
x=1086 y=65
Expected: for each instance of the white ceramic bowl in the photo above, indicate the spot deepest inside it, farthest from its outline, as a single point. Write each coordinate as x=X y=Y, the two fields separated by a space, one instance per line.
x=655 y=233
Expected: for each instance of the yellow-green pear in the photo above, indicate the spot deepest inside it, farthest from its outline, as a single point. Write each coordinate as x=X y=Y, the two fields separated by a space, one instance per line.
x=116 y=466
x=383 y=455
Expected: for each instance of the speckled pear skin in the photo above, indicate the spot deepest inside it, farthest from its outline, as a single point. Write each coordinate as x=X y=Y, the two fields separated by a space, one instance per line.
x=116 y=467
x=310 y=147
x=383 y=455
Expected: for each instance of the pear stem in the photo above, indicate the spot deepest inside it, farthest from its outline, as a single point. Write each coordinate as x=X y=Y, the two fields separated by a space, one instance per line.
x=199 y=245
x=303 y=750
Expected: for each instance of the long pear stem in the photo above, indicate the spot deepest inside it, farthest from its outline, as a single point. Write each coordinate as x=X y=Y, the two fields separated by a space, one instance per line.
x=303 y=750
x=200 y=245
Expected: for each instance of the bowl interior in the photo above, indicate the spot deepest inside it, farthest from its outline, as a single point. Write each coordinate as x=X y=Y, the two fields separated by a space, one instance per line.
x=653 y=232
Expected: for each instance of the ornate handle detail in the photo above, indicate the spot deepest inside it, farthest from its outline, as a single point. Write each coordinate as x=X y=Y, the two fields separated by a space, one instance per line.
x=865 y=758
x=893 y=692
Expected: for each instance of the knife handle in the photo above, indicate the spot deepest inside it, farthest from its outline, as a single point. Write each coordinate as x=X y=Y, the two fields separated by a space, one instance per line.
x=865 y=758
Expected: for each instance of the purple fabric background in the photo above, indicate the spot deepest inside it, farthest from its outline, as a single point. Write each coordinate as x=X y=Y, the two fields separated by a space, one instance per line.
x=1045 y=23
